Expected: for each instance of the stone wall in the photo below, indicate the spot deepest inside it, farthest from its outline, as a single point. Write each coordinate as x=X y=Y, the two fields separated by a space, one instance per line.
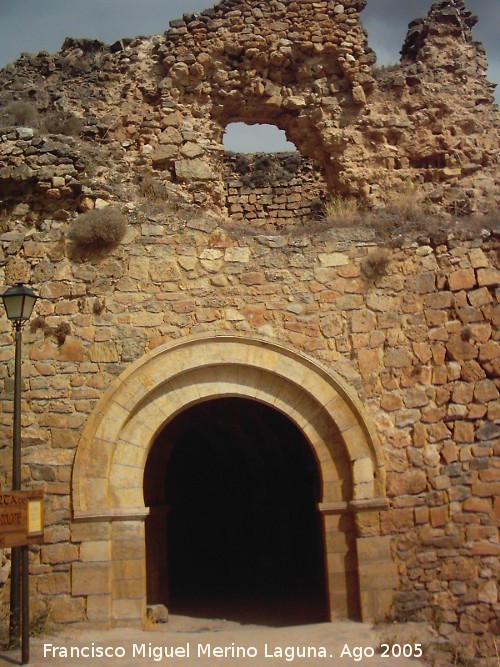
x=273 y=189
x=412 y=330
x=417 y=342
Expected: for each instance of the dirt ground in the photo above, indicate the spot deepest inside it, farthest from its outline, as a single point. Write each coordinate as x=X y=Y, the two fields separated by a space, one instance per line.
x=189 y=642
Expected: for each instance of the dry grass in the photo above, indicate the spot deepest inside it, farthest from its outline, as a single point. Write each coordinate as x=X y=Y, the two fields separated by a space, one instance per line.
x=39 y=323
x=40 y=623
x=61 y=331
x=342 y=211
x=408 y=204
x=19 y=113
x=62 y=122
x=153 y=189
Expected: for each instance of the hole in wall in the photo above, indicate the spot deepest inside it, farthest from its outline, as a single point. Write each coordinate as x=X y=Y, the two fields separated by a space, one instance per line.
x=267 y=180
x=259 y=138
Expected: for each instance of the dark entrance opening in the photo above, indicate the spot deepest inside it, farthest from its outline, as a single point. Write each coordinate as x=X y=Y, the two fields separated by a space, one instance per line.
x=234 y=531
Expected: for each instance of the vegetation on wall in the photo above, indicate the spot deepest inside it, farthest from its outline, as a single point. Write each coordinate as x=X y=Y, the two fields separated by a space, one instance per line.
x=21 y=113
x=98 y=228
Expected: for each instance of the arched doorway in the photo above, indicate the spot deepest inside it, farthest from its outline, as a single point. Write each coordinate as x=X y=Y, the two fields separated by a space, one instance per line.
x=108 y=472
x=234 y=529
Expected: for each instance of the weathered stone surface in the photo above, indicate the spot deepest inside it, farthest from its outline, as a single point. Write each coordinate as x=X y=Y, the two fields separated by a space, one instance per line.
x=163 y=156
x=459 y=280
x=195 y=170
x=333 y=259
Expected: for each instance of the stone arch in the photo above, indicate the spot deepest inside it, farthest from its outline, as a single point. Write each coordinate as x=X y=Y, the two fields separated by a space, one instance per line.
x=107 y=485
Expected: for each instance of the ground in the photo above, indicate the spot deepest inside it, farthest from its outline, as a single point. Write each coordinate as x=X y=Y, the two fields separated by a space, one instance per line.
x=343 y=642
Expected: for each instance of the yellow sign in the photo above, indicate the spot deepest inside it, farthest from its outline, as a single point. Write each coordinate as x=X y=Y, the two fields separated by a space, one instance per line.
x=35 y=517
x=21 y=518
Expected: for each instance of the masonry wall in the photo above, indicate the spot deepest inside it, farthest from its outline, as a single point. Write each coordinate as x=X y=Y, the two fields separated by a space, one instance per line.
x=273 y=189
x=418 y=344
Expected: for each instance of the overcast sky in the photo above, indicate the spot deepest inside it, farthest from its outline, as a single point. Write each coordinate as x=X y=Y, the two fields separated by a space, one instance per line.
x=34 y=25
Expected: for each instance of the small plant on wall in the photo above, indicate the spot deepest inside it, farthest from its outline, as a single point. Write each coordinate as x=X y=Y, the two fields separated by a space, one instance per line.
x=375 y=265
x=97 y=229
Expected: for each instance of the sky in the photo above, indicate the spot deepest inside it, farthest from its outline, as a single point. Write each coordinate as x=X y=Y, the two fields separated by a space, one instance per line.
x=35 y=25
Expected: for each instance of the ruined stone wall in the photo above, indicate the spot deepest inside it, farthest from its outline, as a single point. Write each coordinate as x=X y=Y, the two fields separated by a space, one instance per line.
x=277 y=190
x=163 y=103
x=413 y=330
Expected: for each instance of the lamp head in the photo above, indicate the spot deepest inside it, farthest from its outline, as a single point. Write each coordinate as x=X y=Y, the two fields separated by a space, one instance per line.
x=19 y=302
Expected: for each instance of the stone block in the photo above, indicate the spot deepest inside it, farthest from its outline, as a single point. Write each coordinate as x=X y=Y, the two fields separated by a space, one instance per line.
x=126 y=589
x=163 y=156
x=90 y=579
x=157 y=613
x=438 y=300
x=369 y=361
x=485 y=391
x=56 y=583
x=409 y=483
x=425 y=282
x=439 y=516
x=479 y=297
x=461 y=350
x=104 y=352
x=460 y=569
x=129 y=610
x=195 y=169
x=59 y=553
x=378 y=575
x=398 y=358
x=376 y=605
x=462 y=280
x=363 y=321
x=80 y=532
x=368 y=524
x=95 y=551
x=397 y=520
x=488 y=277
x=128 y=549
x=333 y=259
x=240 y=255
x=99 y=608
x=129 y=569
x=463 y=432
x=66 y=609
x=374 y=549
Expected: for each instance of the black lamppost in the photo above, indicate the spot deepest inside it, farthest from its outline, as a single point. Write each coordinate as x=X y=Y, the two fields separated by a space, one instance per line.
x=19 y=302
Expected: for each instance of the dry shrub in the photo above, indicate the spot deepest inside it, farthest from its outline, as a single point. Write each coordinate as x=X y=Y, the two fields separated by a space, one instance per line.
x=98 y=228
x=342 y=211
x=19 y=113
x=98 y=307
x=39 y=323
x=61 y=331
x=62 y=122
x=375 y=265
